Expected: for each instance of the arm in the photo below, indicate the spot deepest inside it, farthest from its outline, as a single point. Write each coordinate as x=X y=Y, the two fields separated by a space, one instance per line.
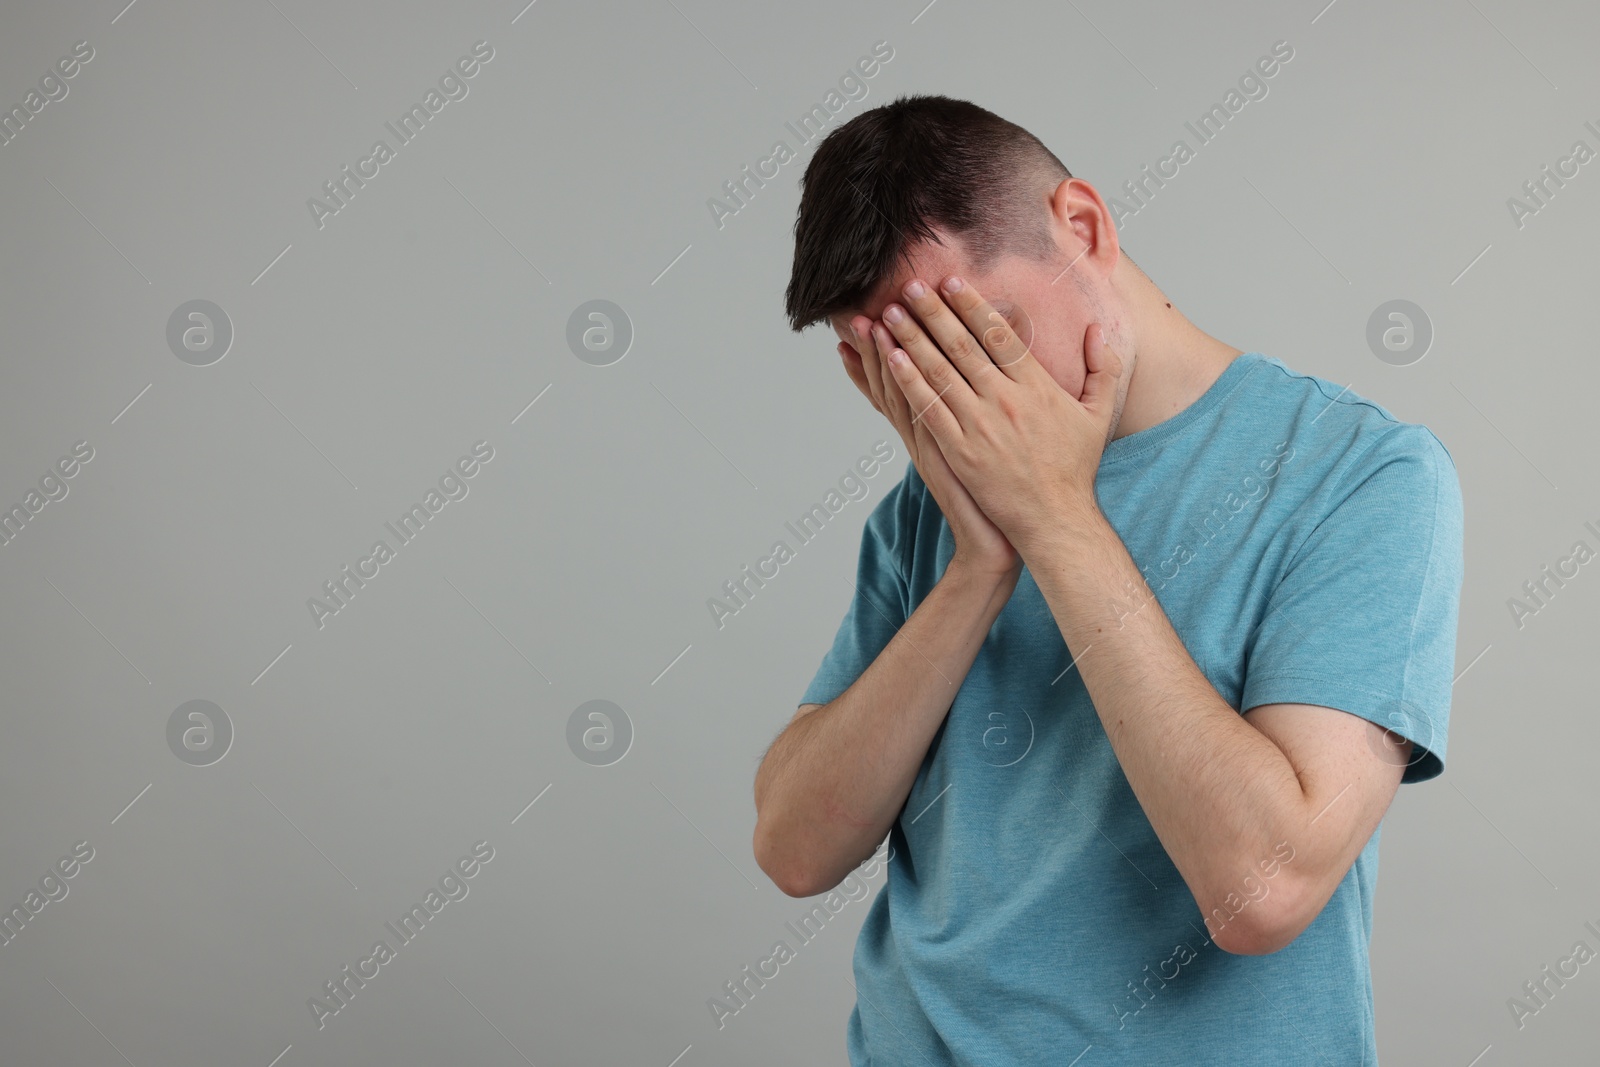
x=835 y=780
x=1220 y=791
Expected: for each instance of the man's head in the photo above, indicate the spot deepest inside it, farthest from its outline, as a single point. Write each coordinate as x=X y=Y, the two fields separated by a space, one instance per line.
x=928 y=186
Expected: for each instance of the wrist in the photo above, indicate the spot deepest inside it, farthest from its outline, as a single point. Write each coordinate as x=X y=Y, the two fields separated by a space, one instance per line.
x=1059 y=527
x=982 y=574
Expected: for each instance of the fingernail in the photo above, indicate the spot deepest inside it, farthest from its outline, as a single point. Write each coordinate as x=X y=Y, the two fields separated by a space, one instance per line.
x=952 y=285
x=892 y=313
x=915 y=290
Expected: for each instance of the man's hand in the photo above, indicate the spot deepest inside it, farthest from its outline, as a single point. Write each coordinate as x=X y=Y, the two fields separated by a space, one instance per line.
x=979 y=542
x=1022 y=446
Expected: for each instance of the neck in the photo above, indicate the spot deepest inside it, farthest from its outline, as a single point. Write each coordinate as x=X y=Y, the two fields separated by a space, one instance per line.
x=1173 y=361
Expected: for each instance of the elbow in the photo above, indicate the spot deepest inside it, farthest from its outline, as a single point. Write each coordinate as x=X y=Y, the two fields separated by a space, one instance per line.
x=1270 y=924
x=798 y=887
x=1254 y=937
x=780 y=865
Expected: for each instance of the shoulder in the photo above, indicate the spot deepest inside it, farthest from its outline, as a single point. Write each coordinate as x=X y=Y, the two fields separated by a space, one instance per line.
x=1351 y=436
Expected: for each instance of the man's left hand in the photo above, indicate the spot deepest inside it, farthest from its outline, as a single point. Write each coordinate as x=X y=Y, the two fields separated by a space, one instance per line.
x=1023 y=447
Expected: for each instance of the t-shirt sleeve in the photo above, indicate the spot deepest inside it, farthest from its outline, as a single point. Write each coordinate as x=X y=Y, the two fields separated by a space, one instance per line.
x=881 y=602
x=1364 y=617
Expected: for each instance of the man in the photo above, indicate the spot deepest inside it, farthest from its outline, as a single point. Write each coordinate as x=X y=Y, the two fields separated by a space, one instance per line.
x=1142 y=645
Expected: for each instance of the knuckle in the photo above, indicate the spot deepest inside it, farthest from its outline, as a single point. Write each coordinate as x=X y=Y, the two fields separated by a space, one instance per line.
x=965 y=348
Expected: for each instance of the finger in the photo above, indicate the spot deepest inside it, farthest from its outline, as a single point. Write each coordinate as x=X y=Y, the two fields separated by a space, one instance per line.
x=1000 y=342
x=871 y=357
x=858 y=374
x=895 y=403
x=916 y=434
x=1105 y=368
x=949 y=334
x=931 y=362
x=928 y=407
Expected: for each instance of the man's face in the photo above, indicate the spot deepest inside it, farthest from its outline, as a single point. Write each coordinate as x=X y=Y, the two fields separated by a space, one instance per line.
x=1049 y=308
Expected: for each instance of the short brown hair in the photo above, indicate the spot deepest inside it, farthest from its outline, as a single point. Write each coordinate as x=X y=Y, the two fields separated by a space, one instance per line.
x=891 y=177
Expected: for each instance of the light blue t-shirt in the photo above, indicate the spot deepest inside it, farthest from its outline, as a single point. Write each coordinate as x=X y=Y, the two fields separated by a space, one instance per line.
x=1307 y=548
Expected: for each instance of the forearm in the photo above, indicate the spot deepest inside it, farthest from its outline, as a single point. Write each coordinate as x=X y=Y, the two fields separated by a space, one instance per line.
x=1219 y=794
x=835 y=780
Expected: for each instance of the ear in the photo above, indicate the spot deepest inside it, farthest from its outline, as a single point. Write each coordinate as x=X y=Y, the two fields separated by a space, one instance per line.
x=1084 y=227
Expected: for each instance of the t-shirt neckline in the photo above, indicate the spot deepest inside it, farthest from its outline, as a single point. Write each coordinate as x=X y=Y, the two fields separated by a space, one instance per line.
x=1124 y=448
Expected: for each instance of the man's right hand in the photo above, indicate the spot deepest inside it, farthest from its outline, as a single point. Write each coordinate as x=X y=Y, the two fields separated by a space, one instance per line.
x=979 y=542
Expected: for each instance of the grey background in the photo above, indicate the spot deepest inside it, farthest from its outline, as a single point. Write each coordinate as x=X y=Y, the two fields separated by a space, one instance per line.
x=430 y=312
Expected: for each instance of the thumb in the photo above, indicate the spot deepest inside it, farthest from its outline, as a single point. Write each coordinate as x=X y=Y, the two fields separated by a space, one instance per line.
x=1105 y=368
